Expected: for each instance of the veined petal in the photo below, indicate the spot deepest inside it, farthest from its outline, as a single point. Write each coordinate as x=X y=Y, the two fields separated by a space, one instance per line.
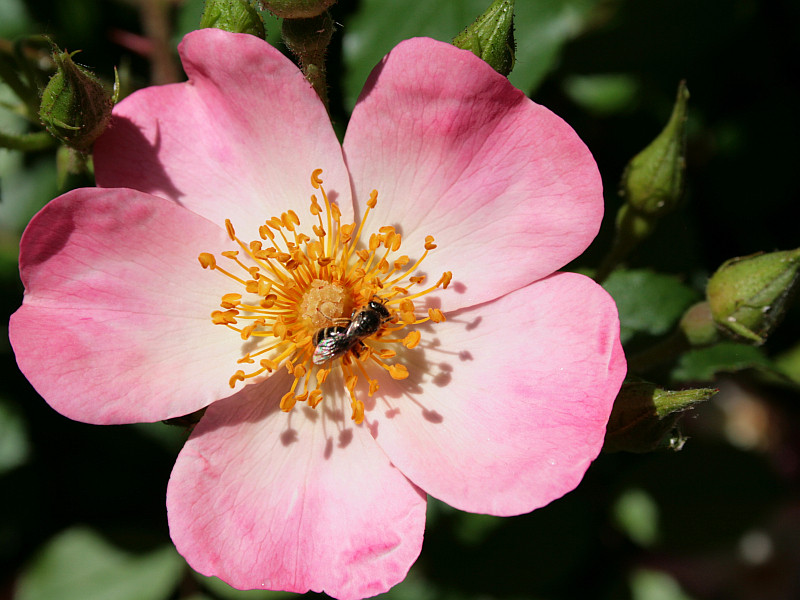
x=514 y=399
x=299 y=501
x=506 y=187
x=238 y=140
x=114 y=326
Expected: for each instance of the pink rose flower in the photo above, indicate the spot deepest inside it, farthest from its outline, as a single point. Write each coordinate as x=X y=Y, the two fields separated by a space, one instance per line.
x=311 y=472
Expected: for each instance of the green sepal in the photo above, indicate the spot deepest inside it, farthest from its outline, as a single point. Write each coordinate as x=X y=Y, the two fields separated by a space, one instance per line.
x=236 y=16
x=75 y=107
x=749 y=295
x=491 y=36
x=653 y=181
x=645 y=416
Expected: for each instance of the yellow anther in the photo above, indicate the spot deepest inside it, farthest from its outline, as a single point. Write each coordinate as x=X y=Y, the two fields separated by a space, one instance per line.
x=373 y=199
x=219 y=317
x=266 y=233
x=264 y=286
x=401 y=262
x=436 y=315
x=412 y=339
x=238 y=376
x=268 y=301
x=207 y=260
x=230 y=300
x=398 y=371
x=267 y=365
x=248 y=331
x=447 y=277
x=315 y=180
x=406 y=305
x=288 y=401
x=299 y=371
x=386 y=353
x=322 y=375
x=279 y=330
x=314 y=398
x=408 y=317
x=373 y=386
x=358 y=411
x=230 y=230
x=429 y=245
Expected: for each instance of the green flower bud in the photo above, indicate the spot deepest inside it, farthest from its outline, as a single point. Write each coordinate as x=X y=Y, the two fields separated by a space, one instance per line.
x=644 y=417
x=748 y=295
x=297 y=9
x=75 y=107
x=491 y=36
x=652 y=183
x=236 y=16
x=697 y=324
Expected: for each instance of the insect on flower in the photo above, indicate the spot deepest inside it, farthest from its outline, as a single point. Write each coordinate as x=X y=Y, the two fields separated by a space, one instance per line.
x=335 y=341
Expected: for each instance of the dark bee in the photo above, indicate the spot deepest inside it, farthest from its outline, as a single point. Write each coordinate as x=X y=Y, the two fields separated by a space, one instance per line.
x=332 y=342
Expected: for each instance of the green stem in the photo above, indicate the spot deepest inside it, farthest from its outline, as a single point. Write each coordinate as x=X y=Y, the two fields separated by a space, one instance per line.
x=27 y=142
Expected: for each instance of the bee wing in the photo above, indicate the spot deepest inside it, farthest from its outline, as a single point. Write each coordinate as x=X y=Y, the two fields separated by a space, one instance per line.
x=330 y=347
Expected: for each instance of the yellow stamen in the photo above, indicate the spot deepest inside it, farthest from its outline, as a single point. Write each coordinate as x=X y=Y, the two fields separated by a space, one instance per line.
x=294 y=291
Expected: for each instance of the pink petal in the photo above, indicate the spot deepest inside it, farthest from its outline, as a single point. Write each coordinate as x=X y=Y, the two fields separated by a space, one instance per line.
x=115 y=325
x=508 y=402
x=238 y=141
x=507 y=189
x=299 y=501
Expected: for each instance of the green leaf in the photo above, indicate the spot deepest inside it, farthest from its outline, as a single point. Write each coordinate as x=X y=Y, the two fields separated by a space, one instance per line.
x=542 y=27
x=79 y=564
x=704 y=363
x=648 y=302
x=14 y=18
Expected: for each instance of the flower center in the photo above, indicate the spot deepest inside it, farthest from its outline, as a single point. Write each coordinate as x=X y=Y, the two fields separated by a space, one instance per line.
x=313 y=304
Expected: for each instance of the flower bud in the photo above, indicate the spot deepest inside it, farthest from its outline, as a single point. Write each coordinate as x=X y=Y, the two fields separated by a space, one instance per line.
x=75 y=107
x=652 y=183
x=297 y=9
x=644 y=417
x=748 y=295
x=491 y=36
x=697 y=324
x=236 y=16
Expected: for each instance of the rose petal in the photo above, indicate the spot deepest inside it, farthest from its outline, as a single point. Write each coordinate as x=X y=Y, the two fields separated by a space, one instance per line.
x=238 y=141
x=507 y=403
x=300 y=501
x=115 y=325
x=507 y=189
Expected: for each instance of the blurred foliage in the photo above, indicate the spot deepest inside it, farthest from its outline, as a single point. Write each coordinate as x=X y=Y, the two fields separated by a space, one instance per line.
x=84 y=507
